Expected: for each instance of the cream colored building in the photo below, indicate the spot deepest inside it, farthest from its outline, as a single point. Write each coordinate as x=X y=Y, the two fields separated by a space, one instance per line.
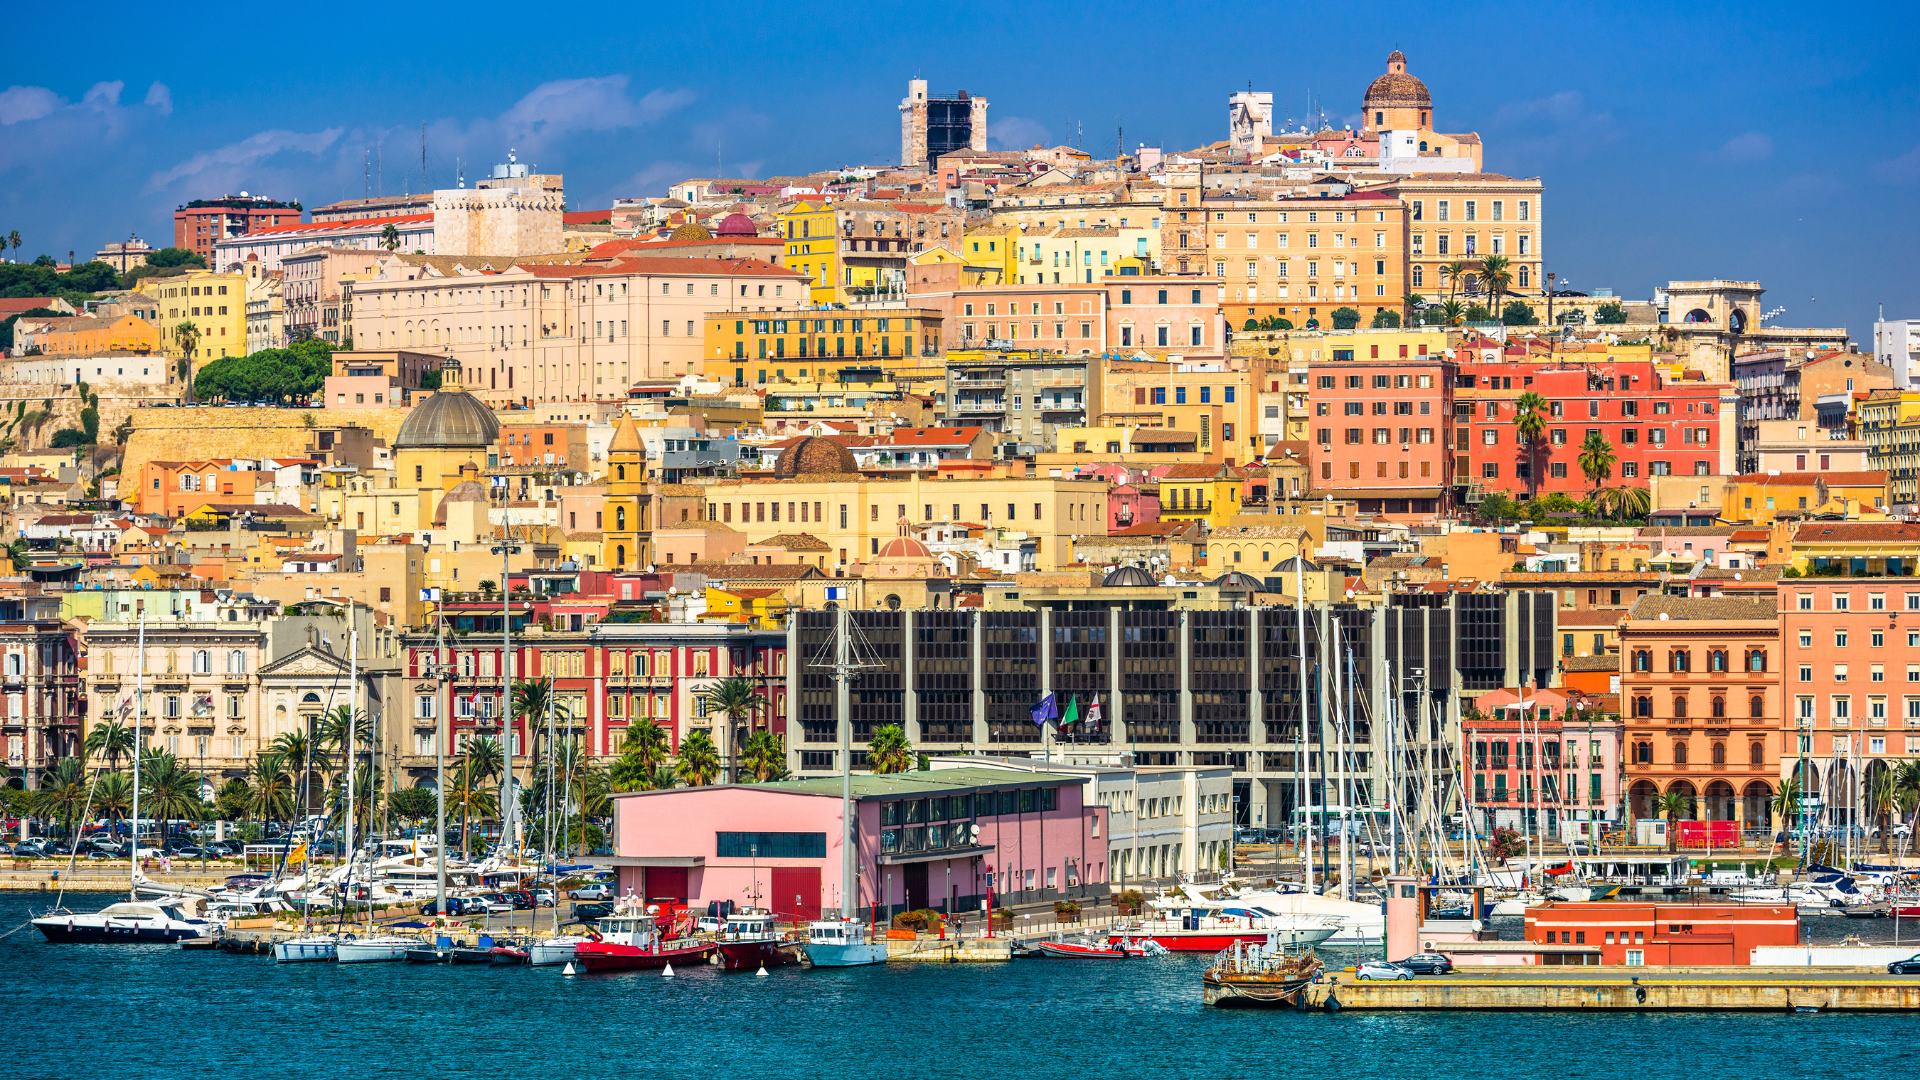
x=562 y=332
x=1465 y=217
x=215 y=305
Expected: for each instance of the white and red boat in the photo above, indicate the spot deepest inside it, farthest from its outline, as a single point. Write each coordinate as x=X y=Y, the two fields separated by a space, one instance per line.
x=749 y=941
x=630 y=940
x=1086 y=949
x=1211 y=929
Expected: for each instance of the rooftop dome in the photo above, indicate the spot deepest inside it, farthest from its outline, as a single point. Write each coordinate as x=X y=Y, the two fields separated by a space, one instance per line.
x=1288 y=565
x=692 y=230
x=1397 y=88
x=904 y=547
x=814 y=454
x=735 y=225
x=1236 y=580
x=466 y=491
x=451 y=419
x=1128 y=577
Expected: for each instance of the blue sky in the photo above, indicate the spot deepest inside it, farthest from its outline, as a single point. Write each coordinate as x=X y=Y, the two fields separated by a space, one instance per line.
x=1758 y=140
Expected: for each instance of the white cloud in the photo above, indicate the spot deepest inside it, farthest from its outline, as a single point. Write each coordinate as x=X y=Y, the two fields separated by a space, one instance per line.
x=1748 y=147
x=37 y=123
x=228 y=167
x=1016 y=132
x=555 y=110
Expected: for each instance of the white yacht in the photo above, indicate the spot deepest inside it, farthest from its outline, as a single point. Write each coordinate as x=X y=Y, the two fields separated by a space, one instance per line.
x=842 y=943
x=158 y=920
x=307 y=948
x=554 y=950
x=372 y=950
x=1357 y=923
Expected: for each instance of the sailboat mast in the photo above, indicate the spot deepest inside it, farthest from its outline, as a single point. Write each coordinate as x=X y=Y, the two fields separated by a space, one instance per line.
x=1345 y=728
x=440 y=775
x=1300 y=743
x=843 y=709
x=353 y=721
x=139 y=707
x=1393 y=772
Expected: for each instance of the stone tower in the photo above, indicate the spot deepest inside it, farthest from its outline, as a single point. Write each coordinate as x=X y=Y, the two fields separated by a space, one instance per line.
x=1249 y=121
x=913 y=125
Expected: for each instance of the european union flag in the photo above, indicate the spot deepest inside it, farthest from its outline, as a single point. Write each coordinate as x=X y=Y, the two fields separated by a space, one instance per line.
x=1044 y=710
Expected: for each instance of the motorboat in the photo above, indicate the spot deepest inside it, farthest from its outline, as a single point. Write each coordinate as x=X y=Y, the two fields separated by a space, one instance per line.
x=1211 y=929
x=158 y=921
x=630 y=940
x=1356 y=924
x=749 y=941
x=842 y=943
x=380 y=948
x=1516 y=905
x=1084 y=949
x=509 y=954
x=307 y=948
x=555 y=950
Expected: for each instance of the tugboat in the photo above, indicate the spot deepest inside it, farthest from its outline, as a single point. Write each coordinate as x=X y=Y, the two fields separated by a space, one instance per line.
x=1264 y=974
x=749 y=942
x=630 y=940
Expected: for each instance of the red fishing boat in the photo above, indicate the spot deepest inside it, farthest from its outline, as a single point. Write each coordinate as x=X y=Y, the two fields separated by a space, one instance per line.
x=749 y=942
x=630 y=940
x=1084 y=950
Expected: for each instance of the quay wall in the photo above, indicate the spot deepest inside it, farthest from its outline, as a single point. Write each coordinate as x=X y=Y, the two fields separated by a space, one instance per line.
x=1756 y=991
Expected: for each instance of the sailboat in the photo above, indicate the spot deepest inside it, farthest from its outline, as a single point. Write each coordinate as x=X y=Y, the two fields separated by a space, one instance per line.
x=310 y=947
x=555 y=948
x=153 y=919
x=845 y=941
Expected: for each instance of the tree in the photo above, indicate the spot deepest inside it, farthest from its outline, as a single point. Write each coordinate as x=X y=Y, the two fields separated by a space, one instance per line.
x=1786 y=802
x=1611 y=313
x=1529 y=424
x=473 y=796
x=1453 y=313
x=1907 y=783
x=390 y=237
x=1623 y=503
x=736 y=698
x=1275 y=322
x=111 y=740
x=1504 y=844
x=113 y=795
x=764 y=757
x=1252 y=325
x=485 y=757
x=1454 y=274
x=415 y=806
x=13 y=239
x=231 y=801
x=1386 y=320
x=186 y=337
x=645 y=752
x=302 y=757
x=270 y=789
x=1883 y=796
x=699 y=759
x=172 y=791
x=889 y=752
x=1498 y=509
x=173 y=258
x=1518 y=313
x=1414 y=304
x=68 y=439
x=1496 y=276
x=1479 y=313
x=1596 y=460
x=1673 y=806
x=63 y=793
x=331 y=731
x=1345 y=318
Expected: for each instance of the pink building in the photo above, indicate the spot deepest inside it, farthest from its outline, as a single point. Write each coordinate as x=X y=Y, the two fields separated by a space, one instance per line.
x=941 y=839
x=1156 y=315
x=1543 y=761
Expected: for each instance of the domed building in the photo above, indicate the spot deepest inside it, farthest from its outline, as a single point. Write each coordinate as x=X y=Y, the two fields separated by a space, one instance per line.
x=735 y=225
x=1396 y=101
x=1128 y=577
x=814 y=455
x=905 y=574
x=445 y=439
x=1235 y=581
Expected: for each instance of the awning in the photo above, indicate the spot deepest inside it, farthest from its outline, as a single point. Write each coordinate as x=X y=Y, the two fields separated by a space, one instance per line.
x=653 y=860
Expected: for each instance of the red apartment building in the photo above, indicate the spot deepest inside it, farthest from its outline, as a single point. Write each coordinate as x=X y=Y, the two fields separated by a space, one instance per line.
x=1656 y=426
x=1379 y=433
x=1630 y=934
x=202 y=223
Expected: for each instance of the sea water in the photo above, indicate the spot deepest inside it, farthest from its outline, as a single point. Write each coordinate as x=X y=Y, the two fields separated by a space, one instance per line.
x=95 y=1012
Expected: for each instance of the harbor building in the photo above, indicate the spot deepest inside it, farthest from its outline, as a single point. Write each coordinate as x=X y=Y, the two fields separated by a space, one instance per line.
x=943 y=839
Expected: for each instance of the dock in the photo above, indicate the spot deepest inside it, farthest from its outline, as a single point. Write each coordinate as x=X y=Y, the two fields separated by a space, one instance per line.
x=1707 y=989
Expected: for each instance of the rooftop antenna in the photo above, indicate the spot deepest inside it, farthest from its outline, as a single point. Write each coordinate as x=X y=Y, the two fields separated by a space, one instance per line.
x=379 y=165
x=423 y=154
x=366 y=174
x=459 y=171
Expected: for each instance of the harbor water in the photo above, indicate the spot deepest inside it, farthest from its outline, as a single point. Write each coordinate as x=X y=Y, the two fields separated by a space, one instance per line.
x=100 y=1012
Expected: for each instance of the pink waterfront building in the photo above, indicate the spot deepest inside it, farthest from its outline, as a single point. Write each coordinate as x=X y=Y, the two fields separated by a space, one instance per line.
x=941 y=839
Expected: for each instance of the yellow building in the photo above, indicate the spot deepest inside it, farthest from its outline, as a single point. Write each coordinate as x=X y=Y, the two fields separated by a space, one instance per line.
x=752 y=349
x=849 y=249
x=202 y=315
x=1209 y=493
x=100 y=337
x=1212 y=402
x=762 y=608
x=813 y=247
x=1890 y=426
x=1760 y=498
x=1461 y=219
x=991 y=253
x=627 y=545
x=1063 y=255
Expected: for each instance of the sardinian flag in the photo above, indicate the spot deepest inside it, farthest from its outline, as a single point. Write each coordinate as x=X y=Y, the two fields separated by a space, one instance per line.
x=126 y=708
x=1093 y=713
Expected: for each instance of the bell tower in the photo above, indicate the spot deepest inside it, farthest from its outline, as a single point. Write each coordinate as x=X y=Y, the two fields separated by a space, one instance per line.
x=628 y=536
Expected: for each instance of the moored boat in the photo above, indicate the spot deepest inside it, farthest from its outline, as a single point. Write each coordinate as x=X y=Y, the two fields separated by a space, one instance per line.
x=373 y=950
x=1258 y=973
x=1084 y=949
x=129 y=921
x=556 y=950
x=749 y=941
x=307 y=948
x=630 y=940
x=1214 y=929
x=842 y=943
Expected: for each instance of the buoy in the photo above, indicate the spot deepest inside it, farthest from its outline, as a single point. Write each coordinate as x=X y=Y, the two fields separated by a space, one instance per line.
x=667 y=972
x=762 y=973
x=568 y=970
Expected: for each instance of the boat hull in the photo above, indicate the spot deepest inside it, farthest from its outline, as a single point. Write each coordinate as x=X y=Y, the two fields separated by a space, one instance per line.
x=850 y=954
x=601 y=956
x=754 y=955
x=303 y=952
x=67 y=932
x=1063 y=950
x=551 y=953
x=429 y=955
x=1212 y=941
x=370 y=952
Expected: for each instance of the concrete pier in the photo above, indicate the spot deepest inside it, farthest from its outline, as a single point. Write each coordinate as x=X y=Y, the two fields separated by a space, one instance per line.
x=1639 y=989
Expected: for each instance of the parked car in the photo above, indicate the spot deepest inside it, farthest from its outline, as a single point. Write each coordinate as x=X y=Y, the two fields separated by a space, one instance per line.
x=543 y=897
x=592 y=892
x=519 y=899
x=1909 y=966
x=599 y=909
x=1377 y=969
x=34 y=847
x=1428 y=963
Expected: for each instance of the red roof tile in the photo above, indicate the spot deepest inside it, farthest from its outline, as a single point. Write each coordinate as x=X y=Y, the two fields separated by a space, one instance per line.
x=347 y=225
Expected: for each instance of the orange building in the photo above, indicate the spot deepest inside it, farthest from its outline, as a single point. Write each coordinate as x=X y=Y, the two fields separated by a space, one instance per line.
x=173 y=488
x=1852 y=675
x=543 y=445
x=1379 y=434
x=1630 y=934
x=1700 y=681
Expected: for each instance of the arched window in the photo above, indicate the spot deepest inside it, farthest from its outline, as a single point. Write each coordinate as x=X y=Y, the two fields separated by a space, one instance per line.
x=16 y=665
x=1756 y=659
x=1643 y=753
x=202 y=662
x=1719 y=753
x=1642 y=707
x=1679 y=752
x=1717 y=660
x=1642 y=660
x=1679 y=706
x=1679 y=660
x=1719 y=707
x=1756 y=706
x=1756 y=753
x=620 y=518
x=236 y=662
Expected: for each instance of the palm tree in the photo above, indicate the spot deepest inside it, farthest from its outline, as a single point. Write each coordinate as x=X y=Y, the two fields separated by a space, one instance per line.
x=1907 y=782
x=1883 y=797
x=300 y=754
x=642 y=757
x=1452 y=273
x=1413 y=302
x=1454 y=312
x=63 y=793
x=889 y=752
x=111 y=740
x=366 y=797
x=1786 y=802
x=485 y=757
x=414 y=805
x=736 y=698
x=390 y=237
x=172 y=792
x=19 y=554
x=764 y=757
x=1596 y=460
x=1673 y=806
x=699 y=759
x=1622 y=503
x=13 y=240
x=1497 y=276
x=473 y=795
x=271 y=789
x=331 y=730
x=113 y=795
x=1529 y=423
x=187 y=337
